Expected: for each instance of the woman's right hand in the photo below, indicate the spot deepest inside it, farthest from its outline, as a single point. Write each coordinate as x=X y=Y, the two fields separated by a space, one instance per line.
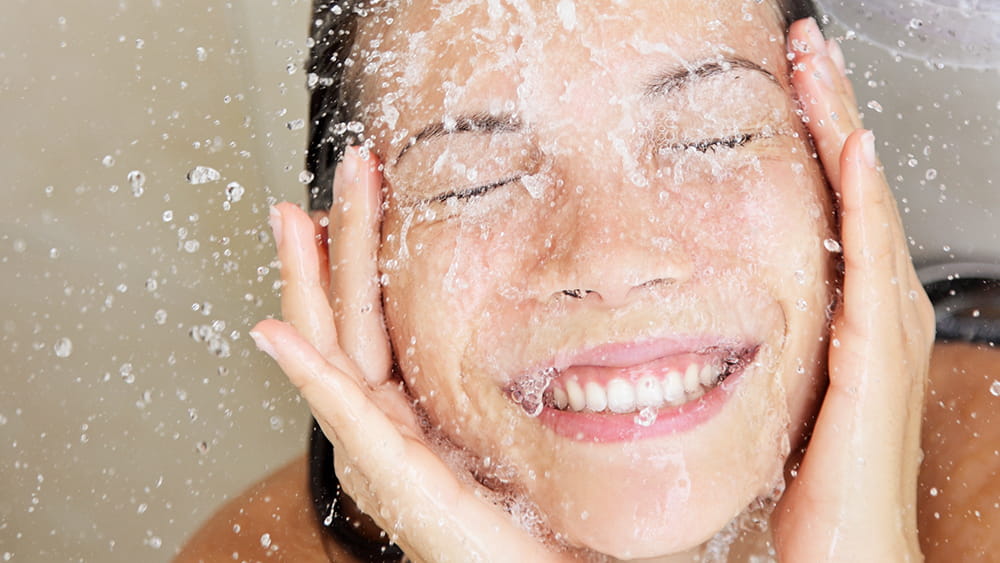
x=333 y=347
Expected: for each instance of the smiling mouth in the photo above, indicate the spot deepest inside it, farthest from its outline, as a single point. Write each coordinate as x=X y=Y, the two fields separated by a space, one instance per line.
x=600 y=389
x=672 y=381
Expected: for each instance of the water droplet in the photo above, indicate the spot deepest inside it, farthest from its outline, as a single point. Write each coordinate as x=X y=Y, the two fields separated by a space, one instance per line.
x=234 y=192
x=191 y=246
x=832 y=245
x=108 y=161
x=295 y=124
x=933 y=491
x=872 y=104
x=137 y=180
x=201 y=53
x=63 y=347
x=160 y=316
x=202 y=175
x=168 y=216
x=155 y=542
x=201 y=447
x=995 y=388
x=930 y=174
x=801 y=305
x=53 y=253
x=126 y=372
x=265 y=540
x=305 y=177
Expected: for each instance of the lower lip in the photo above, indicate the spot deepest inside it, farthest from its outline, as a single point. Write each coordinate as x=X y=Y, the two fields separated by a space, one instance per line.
x=608 y=427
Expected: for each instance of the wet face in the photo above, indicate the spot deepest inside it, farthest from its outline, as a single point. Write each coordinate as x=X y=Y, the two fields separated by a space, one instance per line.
x=603 y=253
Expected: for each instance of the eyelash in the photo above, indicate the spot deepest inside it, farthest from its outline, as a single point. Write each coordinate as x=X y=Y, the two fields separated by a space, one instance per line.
x=473 y=192
x=700 y=146
x=714 y=144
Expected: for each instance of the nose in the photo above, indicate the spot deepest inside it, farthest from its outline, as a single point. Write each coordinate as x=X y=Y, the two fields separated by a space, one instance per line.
x=609 y=250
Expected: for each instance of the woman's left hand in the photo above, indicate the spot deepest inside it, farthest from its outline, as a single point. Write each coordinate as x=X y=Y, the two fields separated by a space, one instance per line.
x=854 y=496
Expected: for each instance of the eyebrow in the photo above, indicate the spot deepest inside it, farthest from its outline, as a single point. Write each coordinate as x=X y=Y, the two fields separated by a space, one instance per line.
x=473 y=123
x=662 y=83
x=676 y=78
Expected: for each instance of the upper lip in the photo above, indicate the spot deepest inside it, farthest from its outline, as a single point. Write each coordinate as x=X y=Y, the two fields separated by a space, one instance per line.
x=635 y=352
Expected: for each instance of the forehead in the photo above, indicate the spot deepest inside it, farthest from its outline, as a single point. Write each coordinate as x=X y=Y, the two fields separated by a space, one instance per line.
x=423 y=61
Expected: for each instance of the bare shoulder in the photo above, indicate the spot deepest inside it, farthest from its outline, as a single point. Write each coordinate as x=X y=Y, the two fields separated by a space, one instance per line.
x=959 y=512
x=278 y=506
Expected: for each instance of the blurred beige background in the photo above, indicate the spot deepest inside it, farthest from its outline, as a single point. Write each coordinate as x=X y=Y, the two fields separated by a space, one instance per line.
x=133 y=403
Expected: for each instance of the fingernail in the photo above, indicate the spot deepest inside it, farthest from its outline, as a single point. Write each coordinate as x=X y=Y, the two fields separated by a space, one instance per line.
x=814 y=37
x=837 y=56
x=263 y=344
x=274 y=219
x=868 y=148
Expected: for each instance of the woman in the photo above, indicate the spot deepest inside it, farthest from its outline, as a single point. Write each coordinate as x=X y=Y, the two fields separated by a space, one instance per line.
x=587 y=297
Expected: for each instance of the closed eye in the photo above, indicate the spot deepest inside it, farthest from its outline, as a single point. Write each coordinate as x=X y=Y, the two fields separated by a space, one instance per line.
x=717 y=144
x=476 y=191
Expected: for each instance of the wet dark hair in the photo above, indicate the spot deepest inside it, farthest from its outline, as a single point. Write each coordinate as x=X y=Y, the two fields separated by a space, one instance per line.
x=331 y=106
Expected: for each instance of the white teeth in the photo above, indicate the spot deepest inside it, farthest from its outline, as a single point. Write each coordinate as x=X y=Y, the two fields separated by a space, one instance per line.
x=691 y=381
x=560 y=397
x=597 y=399
x=648 y=392
x=673 y=388
x=708 y=376
x=577 y=400
x=621 y=396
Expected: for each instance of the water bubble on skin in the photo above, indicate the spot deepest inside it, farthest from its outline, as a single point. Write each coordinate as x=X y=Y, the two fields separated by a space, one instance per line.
x=63 y=347
x=265 y=540
x=137 y=180
x=995 y=388
x=832 y=245
x=529 y=391
x=202 y=175
x=645 y=417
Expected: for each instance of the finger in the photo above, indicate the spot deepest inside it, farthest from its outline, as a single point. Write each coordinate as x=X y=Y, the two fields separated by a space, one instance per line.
x=338 y=401
x=872 y=281
x=825 y=94
x=304 y=301
x=354 y=278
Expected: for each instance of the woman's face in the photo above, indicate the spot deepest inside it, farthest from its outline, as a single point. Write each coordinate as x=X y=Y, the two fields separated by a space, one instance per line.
x=611 y=206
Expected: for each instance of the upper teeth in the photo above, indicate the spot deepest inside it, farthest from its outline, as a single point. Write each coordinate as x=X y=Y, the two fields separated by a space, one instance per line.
x=621 y=395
